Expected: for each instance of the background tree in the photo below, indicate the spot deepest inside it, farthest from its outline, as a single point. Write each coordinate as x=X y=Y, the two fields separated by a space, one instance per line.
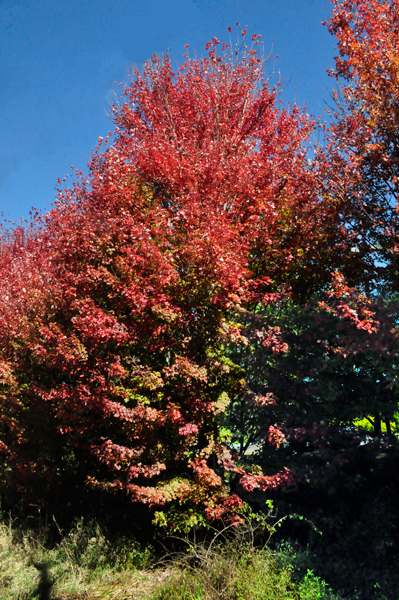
x=338 y=364
x=365 y=133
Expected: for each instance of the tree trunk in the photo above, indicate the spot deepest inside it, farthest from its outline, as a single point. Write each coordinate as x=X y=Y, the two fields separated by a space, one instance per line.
x=377 y=424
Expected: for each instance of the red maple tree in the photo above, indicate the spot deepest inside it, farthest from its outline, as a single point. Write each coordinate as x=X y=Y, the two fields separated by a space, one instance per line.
x=204 y=202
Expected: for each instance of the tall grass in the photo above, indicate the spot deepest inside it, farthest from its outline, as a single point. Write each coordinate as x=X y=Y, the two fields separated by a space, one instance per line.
x=84 y=564
x=233 y=566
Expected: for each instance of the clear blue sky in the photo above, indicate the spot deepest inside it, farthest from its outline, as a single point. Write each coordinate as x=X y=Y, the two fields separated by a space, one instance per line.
x=59 y=61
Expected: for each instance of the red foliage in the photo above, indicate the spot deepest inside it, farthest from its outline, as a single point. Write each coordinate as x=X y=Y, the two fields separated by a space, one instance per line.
x=251 y=481
x=367 y=33
x=364 y=142
x=348 y=303
x=204 y=195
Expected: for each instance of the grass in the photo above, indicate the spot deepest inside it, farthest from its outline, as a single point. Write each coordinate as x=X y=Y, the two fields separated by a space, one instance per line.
x=84 y=565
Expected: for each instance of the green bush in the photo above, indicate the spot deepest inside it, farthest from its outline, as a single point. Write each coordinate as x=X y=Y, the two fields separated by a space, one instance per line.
x=314 y=588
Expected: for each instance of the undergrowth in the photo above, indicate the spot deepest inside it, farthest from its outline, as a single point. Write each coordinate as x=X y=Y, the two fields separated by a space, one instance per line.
x=234 y=565
x=84 y=564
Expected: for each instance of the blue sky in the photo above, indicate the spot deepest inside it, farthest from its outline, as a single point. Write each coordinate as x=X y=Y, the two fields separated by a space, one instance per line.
x=59 y=61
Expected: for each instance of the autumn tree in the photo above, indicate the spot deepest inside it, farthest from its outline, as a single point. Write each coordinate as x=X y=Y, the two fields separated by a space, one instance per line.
x=365 y=131
x=204 y=202
x=362 y=154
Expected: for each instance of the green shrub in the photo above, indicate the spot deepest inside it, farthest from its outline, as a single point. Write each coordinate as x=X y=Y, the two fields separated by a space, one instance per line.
x=314 y=588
